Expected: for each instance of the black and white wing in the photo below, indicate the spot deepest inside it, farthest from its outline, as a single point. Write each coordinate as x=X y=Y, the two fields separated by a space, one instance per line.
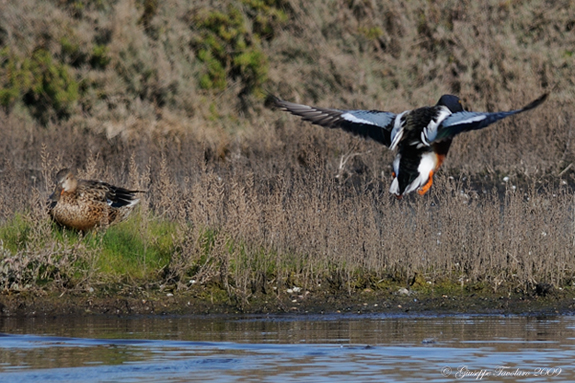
x=104 y=192
x=119 y=197
x=465 y=121
x=372 y=124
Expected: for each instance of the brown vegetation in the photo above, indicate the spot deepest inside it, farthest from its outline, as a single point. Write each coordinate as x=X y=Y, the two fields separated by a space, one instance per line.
x=259 y=200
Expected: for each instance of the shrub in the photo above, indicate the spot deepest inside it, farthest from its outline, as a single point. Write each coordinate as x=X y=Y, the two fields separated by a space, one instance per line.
x=45 y=86
x=229 y=48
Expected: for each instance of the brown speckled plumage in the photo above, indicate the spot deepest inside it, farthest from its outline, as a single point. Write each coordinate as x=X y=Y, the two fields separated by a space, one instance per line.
x=85 y=204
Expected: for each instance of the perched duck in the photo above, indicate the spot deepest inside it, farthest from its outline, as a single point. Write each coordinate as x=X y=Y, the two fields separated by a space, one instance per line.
x=421 y=136
x=85 y=204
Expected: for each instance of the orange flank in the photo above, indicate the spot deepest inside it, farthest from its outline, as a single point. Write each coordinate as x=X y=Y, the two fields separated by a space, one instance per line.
x=422 y=190
x=425 y=188
x=440 y=158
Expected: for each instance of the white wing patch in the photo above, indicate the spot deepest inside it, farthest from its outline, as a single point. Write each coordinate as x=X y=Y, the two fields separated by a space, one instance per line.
x=134 y=202
x=397 y=131
x=429 y=132
x=351 y=118
x=480 y=117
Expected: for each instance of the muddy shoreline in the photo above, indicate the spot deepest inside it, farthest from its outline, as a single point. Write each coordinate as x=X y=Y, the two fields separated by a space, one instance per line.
x=364 y=302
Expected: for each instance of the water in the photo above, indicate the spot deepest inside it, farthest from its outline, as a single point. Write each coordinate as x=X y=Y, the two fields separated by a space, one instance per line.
x=288 y=349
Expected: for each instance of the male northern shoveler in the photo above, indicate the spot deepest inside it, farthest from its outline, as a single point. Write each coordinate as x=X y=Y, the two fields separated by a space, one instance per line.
x=422 y=136
x=85 y=204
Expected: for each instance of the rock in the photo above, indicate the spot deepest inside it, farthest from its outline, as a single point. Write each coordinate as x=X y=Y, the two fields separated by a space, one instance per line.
x=403 y=291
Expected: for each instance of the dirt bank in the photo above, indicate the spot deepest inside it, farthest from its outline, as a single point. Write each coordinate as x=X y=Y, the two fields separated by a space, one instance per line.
x=550 y=302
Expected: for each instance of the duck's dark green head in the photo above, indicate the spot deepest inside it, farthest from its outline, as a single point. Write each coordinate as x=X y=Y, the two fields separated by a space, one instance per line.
x=452 y=102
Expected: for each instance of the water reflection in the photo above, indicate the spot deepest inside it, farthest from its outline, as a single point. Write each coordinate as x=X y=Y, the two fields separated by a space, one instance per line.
x=285 y=348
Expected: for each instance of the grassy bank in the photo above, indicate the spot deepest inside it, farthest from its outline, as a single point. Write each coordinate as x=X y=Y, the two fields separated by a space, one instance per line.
x=243 y=235
x=245 y=202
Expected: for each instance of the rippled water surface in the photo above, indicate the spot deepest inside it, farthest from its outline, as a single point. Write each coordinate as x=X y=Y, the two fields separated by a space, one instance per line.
x=288 y=348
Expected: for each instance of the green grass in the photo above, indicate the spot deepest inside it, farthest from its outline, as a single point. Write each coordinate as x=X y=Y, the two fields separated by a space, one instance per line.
x=128 y=249
x=14 y=233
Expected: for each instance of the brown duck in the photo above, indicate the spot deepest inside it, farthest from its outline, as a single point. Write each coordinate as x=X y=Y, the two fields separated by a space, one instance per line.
x=85 y=204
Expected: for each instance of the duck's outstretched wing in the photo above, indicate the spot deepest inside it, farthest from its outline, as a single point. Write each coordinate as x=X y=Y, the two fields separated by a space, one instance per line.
x=465 y=121
x=372 y=124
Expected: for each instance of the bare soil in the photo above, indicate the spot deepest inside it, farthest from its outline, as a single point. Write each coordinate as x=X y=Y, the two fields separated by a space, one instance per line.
x=550 y=302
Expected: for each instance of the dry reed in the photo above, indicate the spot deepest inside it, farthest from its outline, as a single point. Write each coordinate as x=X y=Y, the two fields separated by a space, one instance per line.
x=259 y=199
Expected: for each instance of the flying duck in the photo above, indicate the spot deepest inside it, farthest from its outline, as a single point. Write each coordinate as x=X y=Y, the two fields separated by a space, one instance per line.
x=85 y=204
x=421 y=136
